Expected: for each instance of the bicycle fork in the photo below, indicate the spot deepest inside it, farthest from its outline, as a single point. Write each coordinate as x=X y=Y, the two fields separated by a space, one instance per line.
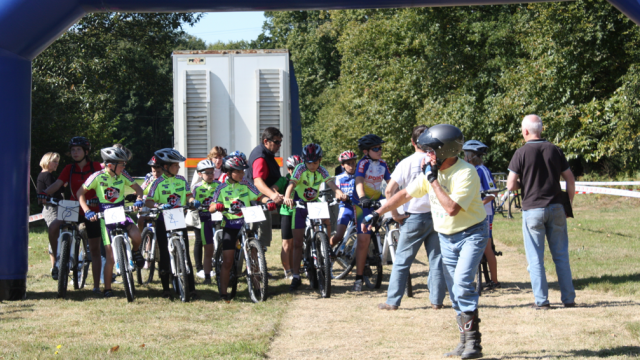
x=174 y=267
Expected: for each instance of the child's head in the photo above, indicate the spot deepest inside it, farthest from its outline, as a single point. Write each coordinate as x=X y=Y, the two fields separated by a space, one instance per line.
x=474 y=150
x=206 y=171
x=311 y=155
x=235 y=165
x=371 y=146
x=50 y=161
x=115 y=159
x=156 y=169
x=216 y=155
x=169 y=159
x=348 y=161
x=292 y=162
x=79 y=148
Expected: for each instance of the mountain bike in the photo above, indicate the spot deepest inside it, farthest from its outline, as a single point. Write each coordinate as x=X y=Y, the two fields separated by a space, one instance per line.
x=316 y=257
x=483 y=269
x=73 y=247
x=506 y=202
x=149 y=247
x=122 y=254
x=345 y=252
x=248 y=250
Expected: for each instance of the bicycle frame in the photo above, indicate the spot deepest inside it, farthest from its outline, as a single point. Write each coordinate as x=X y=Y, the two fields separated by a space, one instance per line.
x=173 y=234
x=120 y=236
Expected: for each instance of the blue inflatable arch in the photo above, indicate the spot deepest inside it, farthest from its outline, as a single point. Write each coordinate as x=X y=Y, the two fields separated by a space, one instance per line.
x=27 y=27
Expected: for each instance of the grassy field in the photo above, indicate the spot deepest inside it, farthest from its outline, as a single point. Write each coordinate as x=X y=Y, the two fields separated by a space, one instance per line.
x=604 y=245
x=604 y=257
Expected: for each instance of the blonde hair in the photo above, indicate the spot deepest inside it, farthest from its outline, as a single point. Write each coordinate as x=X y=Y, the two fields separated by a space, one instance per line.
x=47 y=158
x=217 y=151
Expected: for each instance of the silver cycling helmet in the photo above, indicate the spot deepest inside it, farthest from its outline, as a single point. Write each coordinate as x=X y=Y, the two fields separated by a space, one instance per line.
x=204 y=165
x=114 y=154
x=168 y=156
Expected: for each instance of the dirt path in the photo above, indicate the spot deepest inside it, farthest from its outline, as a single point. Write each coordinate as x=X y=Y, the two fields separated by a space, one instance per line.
x=349 y=326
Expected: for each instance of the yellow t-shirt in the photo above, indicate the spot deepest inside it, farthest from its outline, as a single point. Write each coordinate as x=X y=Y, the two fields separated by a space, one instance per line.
x=462 y=183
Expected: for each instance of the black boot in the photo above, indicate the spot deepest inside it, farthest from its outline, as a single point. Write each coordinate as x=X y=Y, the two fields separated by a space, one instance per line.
x=471 y=327
x=460 y=348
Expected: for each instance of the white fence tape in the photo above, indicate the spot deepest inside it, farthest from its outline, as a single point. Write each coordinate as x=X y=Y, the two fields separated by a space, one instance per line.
x=598 y=190
x=599 y=183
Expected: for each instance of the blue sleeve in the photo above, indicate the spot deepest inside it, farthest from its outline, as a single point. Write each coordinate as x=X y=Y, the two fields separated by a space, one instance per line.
x=387 y=173
x=362 y=167
x=484 y=185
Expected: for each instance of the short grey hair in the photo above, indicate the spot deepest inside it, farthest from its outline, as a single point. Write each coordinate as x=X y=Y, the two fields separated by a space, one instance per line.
x=533 y=123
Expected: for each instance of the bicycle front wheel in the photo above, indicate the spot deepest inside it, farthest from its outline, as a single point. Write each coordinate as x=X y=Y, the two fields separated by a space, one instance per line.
x=345 y=256
x=145 y=276
x=323 y=272
x=181 y=271
x=63 y=271
x=127 y=274
x=258 y=281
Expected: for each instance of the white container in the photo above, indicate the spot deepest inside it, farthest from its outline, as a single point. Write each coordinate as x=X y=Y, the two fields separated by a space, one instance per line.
x=227 y=97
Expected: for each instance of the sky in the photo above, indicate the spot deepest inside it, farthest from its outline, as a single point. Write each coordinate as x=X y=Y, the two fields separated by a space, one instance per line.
x=226 y=26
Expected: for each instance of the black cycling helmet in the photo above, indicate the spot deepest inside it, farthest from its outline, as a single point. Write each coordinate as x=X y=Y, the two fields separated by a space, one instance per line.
x=234 y=162
x=80 y=141
x=475 y=146
x=368 y=141
x=153 y=162
x=446 y=140
x=168 y=156
x=311 y=153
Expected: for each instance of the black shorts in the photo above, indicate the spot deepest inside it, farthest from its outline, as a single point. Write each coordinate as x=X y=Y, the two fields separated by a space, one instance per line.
x=285 y=226
x=93 y=227
x=229 y=238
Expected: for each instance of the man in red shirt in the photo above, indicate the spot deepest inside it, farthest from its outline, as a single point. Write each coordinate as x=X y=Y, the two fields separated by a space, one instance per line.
x=75 y=175
x=264 y=173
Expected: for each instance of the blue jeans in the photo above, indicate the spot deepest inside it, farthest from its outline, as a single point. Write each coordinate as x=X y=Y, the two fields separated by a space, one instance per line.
x=417 y=229
x=552 y=222
x=461 y=255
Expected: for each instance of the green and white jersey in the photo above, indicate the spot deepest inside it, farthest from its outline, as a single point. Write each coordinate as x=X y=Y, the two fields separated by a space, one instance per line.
x=307 y=182
x=235 y=194
x=204 y=191
x=109 y=189
x=172 y=190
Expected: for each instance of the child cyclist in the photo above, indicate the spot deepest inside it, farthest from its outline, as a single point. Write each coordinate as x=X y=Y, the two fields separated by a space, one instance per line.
x=171 y=191
x=346 y=182
x=234 y=194
x=203 y=192
x=156 y=172
x=474 y=150
x=303 y=186
x=370 y=172
x=109 y=185
x=286 y=214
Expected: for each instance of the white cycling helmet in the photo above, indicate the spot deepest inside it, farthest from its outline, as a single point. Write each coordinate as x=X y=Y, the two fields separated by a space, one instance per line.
x=114 y=154
x=168 y=156
x=204 y=165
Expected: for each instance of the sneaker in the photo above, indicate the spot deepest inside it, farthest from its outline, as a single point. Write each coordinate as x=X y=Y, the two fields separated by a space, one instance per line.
x=54 y=273
x=332 y=254
x=541 y=307
x=436 y=307
x=113 y=279
x=270 y=276
x=108 y=293
x=385 y=306
x=288 y=274
x=138 y=258
x=200 y=274
x=357 y=286
x=97 y=291
x=146 y=265
x=295 y=283
x=569 y=305
x=194 y=296
x=207 y=281
x=166 y=294
x=226 y=298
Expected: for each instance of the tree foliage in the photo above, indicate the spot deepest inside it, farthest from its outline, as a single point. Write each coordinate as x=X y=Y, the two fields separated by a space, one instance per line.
x=481 y=68
x=108 y=78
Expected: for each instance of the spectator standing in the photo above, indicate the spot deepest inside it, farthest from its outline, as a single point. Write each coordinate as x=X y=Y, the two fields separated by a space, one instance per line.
x=536 y=169
x=49 y=164
x=460 y=220
x=264 y=173
x=416 y=228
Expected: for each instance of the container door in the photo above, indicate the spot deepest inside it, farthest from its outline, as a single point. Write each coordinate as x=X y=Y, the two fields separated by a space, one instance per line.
x=270 y=90
x=197 y=100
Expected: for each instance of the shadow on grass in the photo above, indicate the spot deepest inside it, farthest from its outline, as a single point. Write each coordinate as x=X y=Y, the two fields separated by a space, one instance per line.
x=581 y=284
x=604 y=232
x=615 y=351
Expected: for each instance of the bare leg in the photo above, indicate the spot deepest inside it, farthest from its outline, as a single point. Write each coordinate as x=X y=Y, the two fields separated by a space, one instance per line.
x=227 y=263
x=491 y=260
x=339 y=235
x=286 y=253
x=54 y=232
x=208 y=255
x=108 y=267
x=298 y=238
x=136 y=238
x=96 y=261
x=361 y=252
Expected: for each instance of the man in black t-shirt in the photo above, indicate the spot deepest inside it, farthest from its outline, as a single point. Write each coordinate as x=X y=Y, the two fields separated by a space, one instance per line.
x=536 y=169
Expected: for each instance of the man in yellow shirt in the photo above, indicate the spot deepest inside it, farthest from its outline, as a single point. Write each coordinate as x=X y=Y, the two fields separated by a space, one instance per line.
x=453 y=187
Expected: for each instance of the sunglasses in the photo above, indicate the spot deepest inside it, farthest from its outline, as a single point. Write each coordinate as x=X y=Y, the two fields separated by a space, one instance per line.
x=277 y=142
x=376 y=149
